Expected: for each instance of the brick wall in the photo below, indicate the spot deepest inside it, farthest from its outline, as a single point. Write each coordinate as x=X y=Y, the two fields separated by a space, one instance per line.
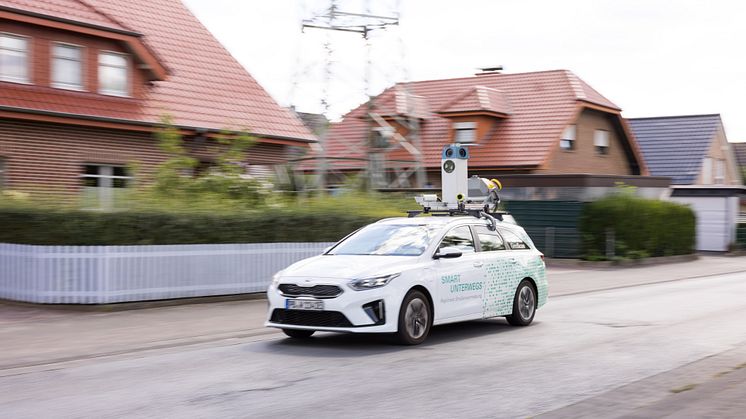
x=50 y=156
x=584 y=158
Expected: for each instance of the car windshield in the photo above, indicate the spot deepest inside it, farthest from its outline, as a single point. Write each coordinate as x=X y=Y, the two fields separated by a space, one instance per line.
x=387 y=240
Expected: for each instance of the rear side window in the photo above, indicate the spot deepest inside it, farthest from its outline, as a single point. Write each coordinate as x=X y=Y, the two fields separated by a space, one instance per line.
x=489 y=240
x=460 y=238
x=515 y=242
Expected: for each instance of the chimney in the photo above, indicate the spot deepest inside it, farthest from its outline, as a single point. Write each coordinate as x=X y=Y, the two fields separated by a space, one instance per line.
x=489 y=70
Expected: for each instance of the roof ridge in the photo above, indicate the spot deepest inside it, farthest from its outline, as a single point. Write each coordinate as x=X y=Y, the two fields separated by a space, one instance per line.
x=574 y=81
x=676 y=116
x=106 y=15
x=484 y=76
x=581 y=88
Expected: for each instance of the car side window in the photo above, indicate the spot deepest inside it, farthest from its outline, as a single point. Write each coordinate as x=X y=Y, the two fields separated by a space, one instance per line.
x=489 y=240
x=460 y=238
x=515 y=242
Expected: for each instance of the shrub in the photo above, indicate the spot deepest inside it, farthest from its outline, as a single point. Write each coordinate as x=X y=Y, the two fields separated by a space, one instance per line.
x=310 y=220
x=641 y=227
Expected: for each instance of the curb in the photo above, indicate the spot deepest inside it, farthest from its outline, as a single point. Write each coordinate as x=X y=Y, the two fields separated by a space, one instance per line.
x=139 y=305
x=627 y=263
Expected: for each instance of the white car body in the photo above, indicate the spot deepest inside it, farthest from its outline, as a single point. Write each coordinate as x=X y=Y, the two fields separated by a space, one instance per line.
x=476 y=285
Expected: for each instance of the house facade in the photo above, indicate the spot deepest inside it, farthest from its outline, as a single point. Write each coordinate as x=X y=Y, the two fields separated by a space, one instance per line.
x=739 y=149
x=541 y=123
x=84 y=85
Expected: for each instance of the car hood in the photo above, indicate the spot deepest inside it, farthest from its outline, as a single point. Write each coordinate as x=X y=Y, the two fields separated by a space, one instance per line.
x=349 y=266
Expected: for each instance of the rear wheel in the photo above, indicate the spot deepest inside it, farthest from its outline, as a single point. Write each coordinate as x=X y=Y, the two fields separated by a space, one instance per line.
x=298 y=333
x=524 y=305
x=415 y=319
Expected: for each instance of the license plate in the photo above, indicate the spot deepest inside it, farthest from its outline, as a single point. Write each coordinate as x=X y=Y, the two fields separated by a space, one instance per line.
x=304 y=305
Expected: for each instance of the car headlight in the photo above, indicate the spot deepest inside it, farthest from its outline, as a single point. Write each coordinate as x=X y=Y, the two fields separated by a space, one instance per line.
x=369 y=283
x=276 y=279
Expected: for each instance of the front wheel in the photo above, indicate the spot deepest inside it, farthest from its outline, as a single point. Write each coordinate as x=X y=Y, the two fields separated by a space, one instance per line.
x=298 y=333
x=524 y=305
x=415 y=319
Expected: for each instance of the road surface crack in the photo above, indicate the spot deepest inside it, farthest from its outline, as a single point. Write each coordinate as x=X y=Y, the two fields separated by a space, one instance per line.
x=227 y=395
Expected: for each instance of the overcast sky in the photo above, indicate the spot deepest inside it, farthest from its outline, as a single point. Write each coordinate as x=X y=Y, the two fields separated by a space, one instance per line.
x=650 y=57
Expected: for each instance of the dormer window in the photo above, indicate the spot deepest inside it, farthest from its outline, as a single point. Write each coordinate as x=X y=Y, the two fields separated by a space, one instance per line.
x=14 y=58
x=112 y=74
x=464 y=132
x=567 y=142
x=67 y=66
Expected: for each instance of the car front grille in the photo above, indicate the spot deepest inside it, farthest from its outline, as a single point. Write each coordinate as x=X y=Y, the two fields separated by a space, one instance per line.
x=318 y=291
x=310 y=318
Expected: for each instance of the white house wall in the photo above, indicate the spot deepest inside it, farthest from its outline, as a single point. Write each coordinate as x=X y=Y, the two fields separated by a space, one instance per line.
x=716 y=221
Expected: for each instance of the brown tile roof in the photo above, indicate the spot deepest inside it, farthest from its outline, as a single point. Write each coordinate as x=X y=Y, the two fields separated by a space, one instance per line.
x=206 y=87
x=542 y=104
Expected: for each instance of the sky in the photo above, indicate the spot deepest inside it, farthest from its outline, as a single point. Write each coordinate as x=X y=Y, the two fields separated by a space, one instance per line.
x=650 y=57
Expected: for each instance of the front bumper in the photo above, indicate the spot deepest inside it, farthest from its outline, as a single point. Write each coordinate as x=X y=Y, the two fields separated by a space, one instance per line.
x=344 y=313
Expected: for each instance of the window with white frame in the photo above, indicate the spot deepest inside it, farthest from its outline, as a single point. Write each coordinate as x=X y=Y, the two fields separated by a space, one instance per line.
x=112 y=74
x=567 y=142
x=14 y=58
x=103 y=185
x=67 y=66
x=601 y=141
x=464 y=132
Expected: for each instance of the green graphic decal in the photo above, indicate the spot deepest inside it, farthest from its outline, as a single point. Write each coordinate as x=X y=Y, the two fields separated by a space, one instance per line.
x=501 y=279
x=499 y=288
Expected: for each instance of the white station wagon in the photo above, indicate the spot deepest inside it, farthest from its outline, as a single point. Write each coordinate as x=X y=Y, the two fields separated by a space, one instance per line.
x=404 y=275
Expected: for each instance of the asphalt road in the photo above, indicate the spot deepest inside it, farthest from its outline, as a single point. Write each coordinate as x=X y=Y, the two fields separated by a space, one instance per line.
x=579 y=347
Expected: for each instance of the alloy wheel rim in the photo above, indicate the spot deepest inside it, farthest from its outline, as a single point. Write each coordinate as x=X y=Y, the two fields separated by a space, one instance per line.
x=526 y=302
x=416 y=318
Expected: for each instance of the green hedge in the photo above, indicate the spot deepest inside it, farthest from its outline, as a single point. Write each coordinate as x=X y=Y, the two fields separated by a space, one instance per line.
x=74 y=227
x=741 y=236
x=641 y=227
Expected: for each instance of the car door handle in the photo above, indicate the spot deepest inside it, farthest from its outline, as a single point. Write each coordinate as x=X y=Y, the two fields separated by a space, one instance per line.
x=478 y=264
x=513 y=260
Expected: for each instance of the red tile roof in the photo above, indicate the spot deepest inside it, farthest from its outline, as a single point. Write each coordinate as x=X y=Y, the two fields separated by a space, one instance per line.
x=73 y=10
x=479 y=98
x=206 y=87
x=398 y=102
x=541 y=104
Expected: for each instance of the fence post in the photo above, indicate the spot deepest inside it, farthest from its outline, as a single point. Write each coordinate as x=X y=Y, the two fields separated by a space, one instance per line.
x=549 y=242
x=610 y=243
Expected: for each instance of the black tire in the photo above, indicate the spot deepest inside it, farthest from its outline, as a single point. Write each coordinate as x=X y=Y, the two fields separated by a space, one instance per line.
x=299 y=333
x=524 y=304
x=415 y=319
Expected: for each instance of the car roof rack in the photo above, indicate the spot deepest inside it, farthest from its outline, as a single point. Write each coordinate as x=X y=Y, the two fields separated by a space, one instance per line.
x=492 y=217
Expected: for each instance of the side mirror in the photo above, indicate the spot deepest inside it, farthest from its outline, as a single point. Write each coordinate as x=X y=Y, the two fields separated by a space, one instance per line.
x=447 y=253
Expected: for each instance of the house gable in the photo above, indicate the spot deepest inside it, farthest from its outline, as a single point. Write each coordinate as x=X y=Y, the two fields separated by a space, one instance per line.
x=676 y=146
x=722 y=167
x=584 y=157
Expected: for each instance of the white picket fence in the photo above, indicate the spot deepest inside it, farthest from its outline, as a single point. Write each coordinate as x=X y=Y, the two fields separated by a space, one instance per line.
x=112 y=274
